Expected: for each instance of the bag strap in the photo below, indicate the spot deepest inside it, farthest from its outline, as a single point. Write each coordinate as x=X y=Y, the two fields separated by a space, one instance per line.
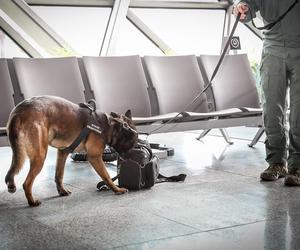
x=271 y=25
x=175 y=178
x=160 y=178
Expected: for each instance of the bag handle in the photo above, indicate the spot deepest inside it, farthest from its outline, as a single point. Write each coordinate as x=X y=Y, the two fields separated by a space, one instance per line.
x=142 y=144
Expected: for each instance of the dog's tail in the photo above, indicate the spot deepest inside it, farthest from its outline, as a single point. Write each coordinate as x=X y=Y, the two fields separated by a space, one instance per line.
x=18 y=152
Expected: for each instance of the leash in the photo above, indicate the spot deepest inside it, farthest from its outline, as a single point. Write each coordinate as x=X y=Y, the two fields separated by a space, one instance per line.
x=266 y=27
x=183 y=113
x=271 y=25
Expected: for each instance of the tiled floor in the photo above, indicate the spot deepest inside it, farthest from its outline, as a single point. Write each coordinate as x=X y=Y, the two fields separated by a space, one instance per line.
x=221 y=205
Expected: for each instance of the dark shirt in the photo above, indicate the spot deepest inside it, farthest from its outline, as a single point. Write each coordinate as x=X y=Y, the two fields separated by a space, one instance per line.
x=286 y=33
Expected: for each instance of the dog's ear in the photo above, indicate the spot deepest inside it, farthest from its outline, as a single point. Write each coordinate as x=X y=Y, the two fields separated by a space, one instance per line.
x=117 y=126
x=114 y=115
x=106 y=118
x=128 y=114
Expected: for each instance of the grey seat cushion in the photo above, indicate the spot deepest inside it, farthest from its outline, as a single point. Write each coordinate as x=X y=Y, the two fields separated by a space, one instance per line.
x=118 y=84
x=177 y=81
x=50 y=76
x=234 y=85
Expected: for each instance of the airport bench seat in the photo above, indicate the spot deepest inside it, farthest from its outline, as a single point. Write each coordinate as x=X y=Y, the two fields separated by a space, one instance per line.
x=6 y=99
x=177 y=80
x=157 y=89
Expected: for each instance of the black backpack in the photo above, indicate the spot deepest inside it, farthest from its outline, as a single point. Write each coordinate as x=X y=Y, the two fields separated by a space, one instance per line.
x=140 y=169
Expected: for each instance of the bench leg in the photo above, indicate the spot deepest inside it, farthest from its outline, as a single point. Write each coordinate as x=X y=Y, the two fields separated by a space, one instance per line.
x=204 y=133
x=257 y=136
x=225 y=135
x=223 y=132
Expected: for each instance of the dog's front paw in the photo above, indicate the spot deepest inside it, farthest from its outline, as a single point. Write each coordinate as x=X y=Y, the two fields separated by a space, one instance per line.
x=121 y=191
x=34 y=203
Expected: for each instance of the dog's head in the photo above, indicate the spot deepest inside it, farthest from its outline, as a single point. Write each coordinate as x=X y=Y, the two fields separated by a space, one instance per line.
x=123 y=132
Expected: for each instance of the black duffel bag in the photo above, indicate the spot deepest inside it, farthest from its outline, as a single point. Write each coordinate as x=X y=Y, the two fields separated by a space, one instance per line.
x=140 y=169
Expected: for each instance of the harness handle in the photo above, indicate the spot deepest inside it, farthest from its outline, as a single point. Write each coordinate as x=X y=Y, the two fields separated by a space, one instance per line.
x=91 y=105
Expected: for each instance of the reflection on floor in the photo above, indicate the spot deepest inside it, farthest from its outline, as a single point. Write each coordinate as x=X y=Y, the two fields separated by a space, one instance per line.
x=221 y=205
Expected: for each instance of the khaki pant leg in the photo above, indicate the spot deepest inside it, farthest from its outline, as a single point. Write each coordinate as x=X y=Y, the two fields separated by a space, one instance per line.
x=274 y=84
x=293 y=65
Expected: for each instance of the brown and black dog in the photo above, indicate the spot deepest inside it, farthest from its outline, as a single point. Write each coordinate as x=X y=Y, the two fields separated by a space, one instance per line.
x=47 y=120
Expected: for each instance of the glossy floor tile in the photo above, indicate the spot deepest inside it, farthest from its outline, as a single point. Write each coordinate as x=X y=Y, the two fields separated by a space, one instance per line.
x=221 y=205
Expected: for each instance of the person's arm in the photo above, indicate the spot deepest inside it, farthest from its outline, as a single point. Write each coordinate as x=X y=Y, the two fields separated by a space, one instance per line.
x=244 y=7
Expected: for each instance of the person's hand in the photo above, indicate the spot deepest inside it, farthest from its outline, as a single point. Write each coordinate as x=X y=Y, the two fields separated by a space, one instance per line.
x=242 y=8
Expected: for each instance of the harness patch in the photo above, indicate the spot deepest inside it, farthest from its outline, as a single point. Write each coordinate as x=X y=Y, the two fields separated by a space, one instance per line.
x=92 y=126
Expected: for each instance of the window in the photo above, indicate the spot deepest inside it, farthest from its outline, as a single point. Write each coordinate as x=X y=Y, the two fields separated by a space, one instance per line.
x=8 y=48
x=83 y=28
x=133 y=42
x=186 y=31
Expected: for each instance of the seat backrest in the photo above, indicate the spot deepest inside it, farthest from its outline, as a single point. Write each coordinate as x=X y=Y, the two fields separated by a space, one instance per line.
x=234 y=85
x=6 y=93
x=50 y=76
x=118 y=84
x=177 y=81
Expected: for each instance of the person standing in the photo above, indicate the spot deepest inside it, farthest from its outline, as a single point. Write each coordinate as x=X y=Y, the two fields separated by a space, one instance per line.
x=280 y=70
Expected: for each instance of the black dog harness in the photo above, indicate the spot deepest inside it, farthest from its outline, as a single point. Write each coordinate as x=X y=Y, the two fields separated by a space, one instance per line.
x=92 y=125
